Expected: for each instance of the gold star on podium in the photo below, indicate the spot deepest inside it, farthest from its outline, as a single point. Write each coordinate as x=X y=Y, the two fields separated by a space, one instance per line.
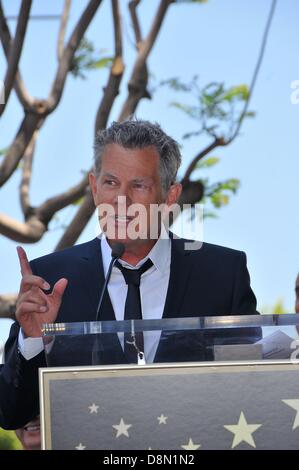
x=242 y=431
x=80 y=446
x=162 y=419
x=93 y=408
x=122 y=428
x=191 y=445
x=295 y=405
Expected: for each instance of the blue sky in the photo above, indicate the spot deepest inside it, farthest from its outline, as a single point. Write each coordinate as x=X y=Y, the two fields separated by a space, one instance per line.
x=218 y=41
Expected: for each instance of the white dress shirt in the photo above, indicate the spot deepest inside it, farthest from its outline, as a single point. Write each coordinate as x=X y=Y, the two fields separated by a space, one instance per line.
x=153 y=290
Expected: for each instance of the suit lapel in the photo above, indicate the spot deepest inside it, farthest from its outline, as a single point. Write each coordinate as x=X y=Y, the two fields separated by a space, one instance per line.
x=180 y=270
x=93 y=280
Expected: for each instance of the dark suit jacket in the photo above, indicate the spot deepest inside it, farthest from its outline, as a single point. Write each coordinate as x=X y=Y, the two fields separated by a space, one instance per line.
x=207 y=282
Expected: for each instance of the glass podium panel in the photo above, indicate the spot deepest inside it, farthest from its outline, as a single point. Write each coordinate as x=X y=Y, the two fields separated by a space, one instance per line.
x=189 y=339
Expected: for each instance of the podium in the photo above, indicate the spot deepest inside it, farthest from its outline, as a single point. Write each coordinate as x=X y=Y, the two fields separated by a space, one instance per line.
x=206 y=383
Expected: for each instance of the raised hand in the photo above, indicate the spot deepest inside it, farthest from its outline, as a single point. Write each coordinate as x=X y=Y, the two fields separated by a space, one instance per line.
x=34 y=306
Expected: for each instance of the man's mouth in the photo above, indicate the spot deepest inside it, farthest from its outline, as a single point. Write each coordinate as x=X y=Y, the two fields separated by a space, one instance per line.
x=32 y=427
x=122 y=219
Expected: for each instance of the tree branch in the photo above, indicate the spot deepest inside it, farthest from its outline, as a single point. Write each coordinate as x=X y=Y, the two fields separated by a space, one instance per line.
x=26 y=175
x=78 y=223
x=138 y=41
x=62 y=28
x=218 y=142
x=29 y=232
x=133 y=4
x=34 y=120
x=38 y=218
x=24 y=97
x=117 y=29
x=116 y=73
x=15 y=50
x=68 y=54
x=86 y=209
x=138 y=81
x=30 y=123
x=256 y=70
x=47 y=210
x=8 y=305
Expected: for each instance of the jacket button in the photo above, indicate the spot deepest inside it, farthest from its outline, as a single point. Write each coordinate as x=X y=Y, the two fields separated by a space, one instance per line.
x=16 y=383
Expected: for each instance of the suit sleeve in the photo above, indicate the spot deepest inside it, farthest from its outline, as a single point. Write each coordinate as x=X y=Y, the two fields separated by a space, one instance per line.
x=244 y=300
x=19 y=392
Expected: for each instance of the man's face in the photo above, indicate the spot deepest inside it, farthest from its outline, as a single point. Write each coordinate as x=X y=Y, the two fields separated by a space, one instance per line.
x=297 y=295
x=129 y=177
x=30 y=436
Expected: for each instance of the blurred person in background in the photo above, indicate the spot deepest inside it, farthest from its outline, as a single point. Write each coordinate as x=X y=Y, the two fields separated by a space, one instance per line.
x=29 y=435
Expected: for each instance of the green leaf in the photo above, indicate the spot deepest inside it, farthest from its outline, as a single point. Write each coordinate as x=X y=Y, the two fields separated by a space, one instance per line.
x=176 y=84
x=86 y=58
x=233 y=184
x=238 y=91
x=207 y=162
x=210 y=215
x=191 y=111
x=218 y=199
x=104 y=62
x=207 y=100
x=277 y=309
x=250 y=114
x=78 y=202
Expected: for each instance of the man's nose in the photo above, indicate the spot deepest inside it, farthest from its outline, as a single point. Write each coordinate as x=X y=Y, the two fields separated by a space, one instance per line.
x=122 y=196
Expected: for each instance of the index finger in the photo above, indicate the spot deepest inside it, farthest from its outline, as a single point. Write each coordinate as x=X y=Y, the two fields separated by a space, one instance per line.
x=24 y=263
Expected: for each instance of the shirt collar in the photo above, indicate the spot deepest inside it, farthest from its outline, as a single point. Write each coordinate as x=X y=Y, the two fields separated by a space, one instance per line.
x=160 y=254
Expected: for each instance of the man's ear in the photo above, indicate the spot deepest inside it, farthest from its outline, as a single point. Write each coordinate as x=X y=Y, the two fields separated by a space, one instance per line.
x=173 y=194
x=93 y=184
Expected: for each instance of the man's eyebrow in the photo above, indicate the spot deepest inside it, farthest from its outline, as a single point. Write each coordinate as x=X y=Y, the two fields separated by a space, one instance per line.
x=145 y=179
x=109 y=175
x=142 y=180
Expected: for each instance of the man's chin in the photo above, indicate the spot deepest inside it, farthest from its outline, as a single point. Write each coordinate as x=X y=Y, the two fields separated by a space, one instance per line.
x=127 y=241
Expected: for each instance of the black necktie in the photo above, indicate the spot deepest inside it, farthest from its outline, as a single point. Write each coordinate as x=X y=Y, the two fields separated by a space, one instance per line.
x=133 y=307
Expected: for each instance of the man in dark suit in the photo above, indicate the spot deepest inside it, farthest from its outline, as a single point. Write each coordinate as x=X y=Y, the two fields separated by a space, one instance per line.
x=135 y=165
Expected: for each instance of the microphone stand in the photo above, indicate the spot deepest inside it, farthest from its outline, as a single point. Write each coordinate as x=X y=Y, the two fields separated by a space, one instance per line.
x=117 y=251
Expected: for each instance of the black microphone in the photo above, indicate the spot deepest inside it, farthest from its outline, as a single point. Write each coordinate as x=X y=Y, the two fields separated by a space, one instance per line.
x=117 y=251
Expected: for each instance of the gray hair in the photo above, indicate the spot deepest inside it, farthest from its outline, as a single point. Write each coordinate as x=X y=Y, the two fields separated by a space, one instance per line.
x=140 y=134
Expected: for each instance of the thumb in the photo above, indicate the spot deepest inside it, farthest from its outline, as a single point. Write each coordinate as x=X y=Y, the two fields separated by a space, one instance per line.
x=59 y=288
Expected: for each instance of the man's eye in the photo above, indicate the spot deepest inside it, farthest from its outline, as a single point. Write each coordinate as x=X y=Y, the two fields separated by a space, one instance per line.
x=140 y=186
x=109 y=182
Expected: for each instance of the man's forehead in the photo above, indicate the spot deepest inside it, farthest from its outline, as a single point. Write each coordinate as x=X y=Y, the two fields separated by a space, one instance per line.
x=139 y=162
x=115 y=151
